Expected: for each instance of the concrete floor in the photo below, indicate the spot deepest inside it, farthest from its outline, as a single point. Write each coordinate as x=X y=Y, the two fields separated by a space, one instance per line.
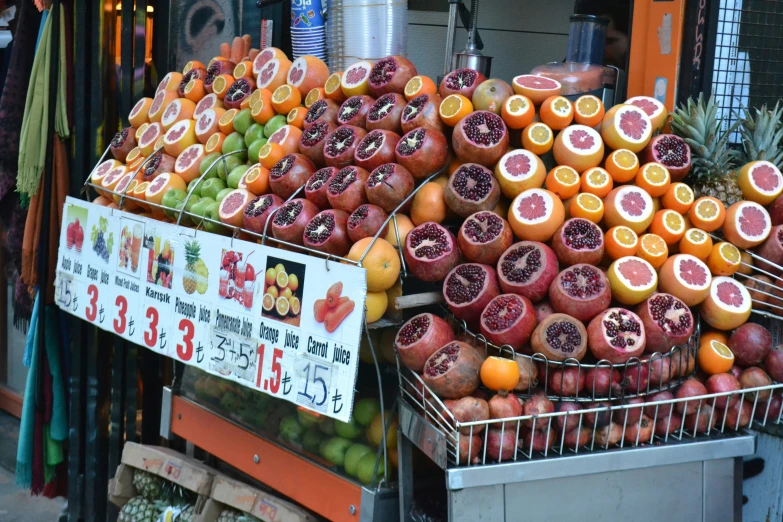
x=16 y=505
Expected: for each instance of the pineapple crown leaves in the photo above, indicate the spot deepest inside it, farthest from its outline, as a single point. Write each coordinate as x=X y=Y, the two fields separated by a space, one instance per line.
x=761 y=133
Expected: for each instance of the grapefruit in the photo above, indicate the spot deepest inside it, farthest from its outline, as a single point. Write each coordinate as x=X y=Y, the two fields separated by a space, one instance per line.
x=536 y=214
x=178 y=110
x=685 y=277
x=170 y=82
x=159 y=104
x=727 y=305
x=188 y=163
x=99 y=172
x=207 y=124
x=158 y=188
x=626 y=127
x=179 y=137
x=125 y=187
x=287 y=137
x=519 y=170
x=747 y=224
x=654 y=109
x=629 y=206
x=632 y=280
x=210 y=101
x=233 y=206
x=265 y=56
x=307 y=72
x=356 y=79
x=139 y=114
x=760 y=182
x=111 y=179
x=148 y=139
x=579 y=147
x=537 y=88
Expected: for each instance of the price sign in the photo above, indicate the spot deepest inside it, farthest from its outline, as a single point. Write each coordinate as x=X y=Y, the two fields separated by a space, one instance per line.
x=233 y=350
x=190 y=330
x=65 y=290
x=314 y=378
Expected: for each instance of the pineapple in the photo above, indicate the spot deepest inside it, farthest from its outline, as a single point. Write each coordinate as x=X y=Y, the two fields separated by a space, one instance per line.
x=712 y=172
x=186 y=515
x=192 y=257
x=139 y=509
x=228 y=515
x=147 y=485
x=761 y=134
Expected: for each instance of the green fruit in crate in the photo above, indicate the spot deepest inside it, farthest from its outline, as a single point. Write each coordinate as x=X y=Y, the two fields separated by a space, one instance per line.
x=274 y=124
x=243 y=121
x=312 y=440
x=255 y=132
x=207 y=162
x=230 y=401
x=254 y=148
x=147 y=485
x=201 y=207
x=234 y=142
x=223 y=193
x=171 y=200
x=326 y=425
x=349 y=430
x=366 y=467
x=139 y=509
x=226 y=165
x=290 y=429
x=365 y=410
x=334 y=450
x=235 y=175
x=213 y=212
x=307 y=418
x=194 y=187
x=212 y=187
x=352 y=457
x=185 y=220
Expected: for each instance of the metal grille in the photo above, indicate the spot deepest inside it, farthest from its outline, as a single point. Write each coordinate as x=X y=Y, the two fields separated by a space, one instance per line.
x=747 y=69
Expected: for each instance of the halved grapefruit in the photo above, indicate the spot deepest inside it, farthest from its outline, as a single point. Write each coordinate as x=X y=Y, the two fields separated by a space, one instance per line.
x=273 y=74
x=654 y=109
x=158 y=188
x=265 y=56
x=629 y=206
x=686 y=277
x=140 y=112
x=111 y=179
x=626 y=127
x=760 y=181
x=170 y=82
x=233 y=206
x=139 y=131
x=537 y=88
x=178 y=110
x=287 y=137
x=747 y=224
x=159 y=104
x=307 y=72
x=579 y=147
x=147 y=140
x=536 y=214
x=632 y=280
x=519 y=170
x=125 y=187
x=179 y=137
x=356 y=79
x=99 y=172
x=727 y=305
x=210 y=101
x=207 y=124
x=188 y=163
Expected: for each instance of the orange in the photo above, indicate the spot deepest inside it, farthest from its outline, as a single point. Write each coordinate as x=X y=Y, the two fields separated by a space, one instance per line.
x=296 y=117
x=697 y=243
x=258 y=95
x=499 y=373
x=382 y=262
x=243 y=69
x=557 y=112
x=715 y=357
x=654 y=178
x=453 y=108
x=597 y=181
x=226 y=122
x=428 y=204
x=375 y=304
x=621 y=241
x=724 y=259
x=537 y=138
x=653 y=249
x=535 y=215
x=270 y=154
x=195 y=90
x=679 y=197
x=713 y=335
x=707 y=213
x=221 y=84
x=262 y=111
x=419 y=85
x=746 y=263
x=669 y=224
x=622 y=165
x=215 y=143
x=315 y=94
x=404 y=225
x=588 y=110
x=588 y=206
x=563 y=181
x=286 y=98
x=257 y=180
x=332 y=88
x=517 y=111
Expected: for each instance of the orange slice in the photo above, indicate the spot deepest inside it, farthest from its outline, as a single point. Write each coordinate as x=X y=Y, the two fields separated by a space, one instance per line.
x=296 y=117
x=139 y=192
x=588 y=206
x=332 y=88
x=221 y=84
x=286 y=98
x=669 y=224
x=315 y=94
x=215 y=143
x=517 y=111
x=270 y=154
x=679 y=197
x=597 y=181
x=653 y=249
x=262 y=111
x=622 y=165
x=588 y=110
x=654 y=178
x=419 y=85
x=724 y=259
x=557 y=112
x=707 y=213
x=453 y=108
x=715 y=357
x=563 y=181
x=226 y=122
x=537 y=138
x=192 y=64
x=258 y=95
x=621 y=241
x=195 y=90
x=697 y=243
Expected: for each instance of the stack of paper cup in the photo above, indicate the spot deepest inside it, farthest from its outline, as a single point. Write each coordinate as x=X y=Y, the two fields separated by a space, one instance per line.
x=308 y=31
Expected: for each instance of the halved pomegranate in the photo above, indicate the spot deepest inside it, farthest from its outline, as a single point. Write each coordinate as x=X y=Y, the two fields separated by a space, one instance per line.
x=316 y=186
x=354 y=111
x=472 y=188
x=122 y=143
x=560 y=337
x=346 y=189
x=430 y=252
x=390 y=74
x=452 y=372
x=616 y=335
x=290 y=220
x=327 y=232
x=290 y=173
x=480 y=137
x=483 y=237
x=670 y=151
x=527 y=268
x=388 y=186
x=322 y=111
x=386 y=113
x=461 y=81
x=508 y=319
x=420 y=337
x=581 y=291
x=313 y=141
x=259 y=209
x=667 y=322
x=468 y=288
x=578 y=240
x=422 y=151
x=159 y=164
x=423 y=111
x=341 y=144
x=365 y=221
x=375 y=149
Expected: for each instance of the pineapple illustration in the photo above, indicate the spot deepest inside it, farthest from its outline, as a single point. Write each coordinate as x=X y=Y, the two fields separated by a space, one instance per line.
x=203 y=276
x=190 y=280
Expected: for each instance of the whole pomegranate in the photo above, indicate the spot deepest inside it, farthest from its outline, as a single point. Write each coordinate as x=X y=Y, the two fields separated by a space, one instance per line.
x=750 y=344
x=470 y=409
x=687 y=390
x=773 y=363
x=501 y=444
x=721 y=383
x=754 y=377
x=504 y=406
x=420 y=337
x=452 y=371
x=480 y=137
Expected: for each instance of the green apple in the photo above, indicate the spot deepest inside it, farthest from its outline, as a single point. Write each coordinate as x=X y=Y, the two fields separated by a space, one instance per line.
x=223 y=193
x=212 y=187
x=171 y=199
x=366 y=467
x=207 y=162
x=254 y=149
x=243 y=121
x=235 y=142
x=186 y=220
x=353 y=456
x=255 y=132
x=235 y=175
x=334 y=450
x=226 y=165
x=272 y=125
x=194 y=187
x=365 y=410
x=213 y=212
x=348 y=430
x=200 y=207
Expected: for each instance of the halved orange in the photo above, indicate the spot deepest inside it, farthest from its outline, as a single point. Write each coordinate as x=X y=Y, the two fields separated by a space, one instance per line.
x=258 y=95
x=315 y=94
x=419 y=85
x=243 y=69
x=597 y=181
x=518 y=111
x=588 y=110
x=653 y=249
x=621 y=241
x=270 y=154
x=622 y=165
x=262 y=111
x=195 y=90
x=588 y=206
x=226 y=122
x=453 y=108
x=257 y=179
x=707 y=213
x=286 y=98
x=697 y=243
x=537 y=138
x=654 y=178
x=669 y=224
x=215 y=143
x=221 y=84
x=679 y=197
x=724 y=259
x=557 y=112
x=714 y=357
x=563 y=181
x=296 y=117
x=332 y=88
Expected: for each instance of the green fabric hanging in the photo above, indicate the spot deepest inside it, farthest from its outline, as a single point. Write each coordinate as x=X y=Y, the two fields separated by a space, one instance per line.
x=61 y=116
